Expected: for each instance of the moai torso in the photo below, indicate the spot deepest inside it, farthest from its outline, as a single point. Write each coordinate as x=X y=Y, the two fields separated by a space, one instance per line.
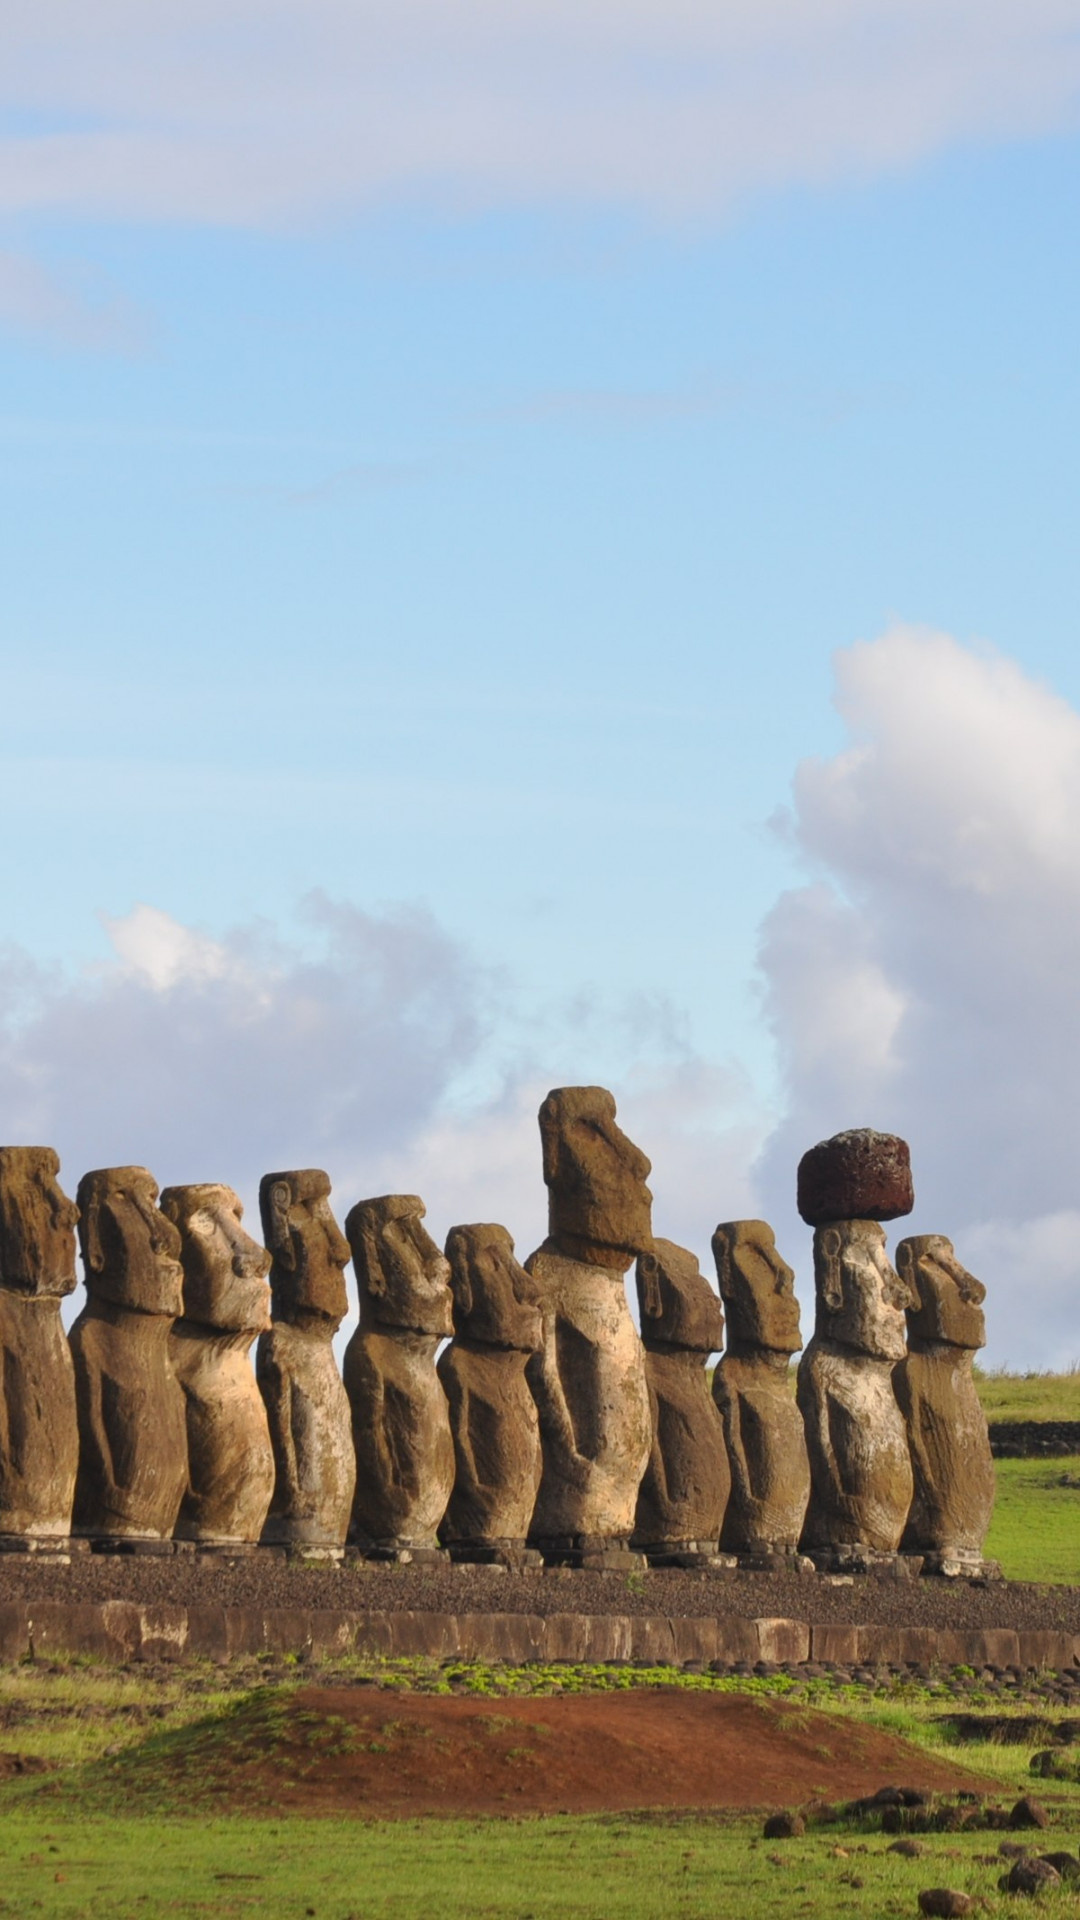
x=132 y=1429
x=770 y=1469
x=947 y=1432
x=860 y=1467
x=684 y=1494
x=297 y=1374
x=493 y=1415
x=39 y=1433
x=226 y=1304
x=401 y=1421
x=588 y=1379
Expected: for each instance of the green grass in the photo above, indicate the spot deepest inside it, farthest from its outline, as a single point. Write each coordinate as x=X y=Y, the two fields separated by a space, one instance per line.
x=1035 y=1531
x=99 y=1839
x=1029 y=1396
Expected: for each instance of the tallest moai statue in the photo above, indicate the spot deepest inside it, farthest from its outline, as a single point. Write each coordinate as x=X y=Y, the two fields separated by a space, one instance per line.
x=588 y=1379
x=860 y=1466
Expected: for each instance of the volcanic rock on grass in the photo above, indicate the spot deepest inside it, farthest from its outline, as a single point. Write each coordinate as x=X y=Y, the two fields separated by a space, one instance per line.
x=859 y=1175
x=1029 y=1813
x=784 y=1826
x=1029 y=1876
x=945 y=1902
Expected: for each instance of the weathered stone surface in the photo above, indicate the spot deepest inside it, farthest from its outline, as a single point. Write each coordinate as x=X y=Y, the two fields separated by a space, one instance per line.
x=400 y=1418
x=860 y=1467
x=132 y=1429
x=39 y=1435
x=859 y=1175
x=947 y=1903
x=226 y=1304
x=784 y=1826
x=1029 y=1876
x=306 y=1403
x=683 y=1496
x=493 y=1415
x=588 y=1379
x=770 y=1468
x=947 y=1431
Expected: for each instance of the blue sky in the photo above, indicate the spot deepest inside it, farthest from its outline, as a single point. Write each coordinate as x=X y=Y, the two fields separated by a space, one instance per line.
x=438 y=472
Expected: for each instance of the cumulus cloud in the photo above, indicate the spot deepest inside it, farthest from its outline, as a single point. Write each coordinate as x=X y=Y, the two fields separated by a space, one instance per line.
x=221 y=1058
x=254 y=111
x=361 y=1050
x=925 y=982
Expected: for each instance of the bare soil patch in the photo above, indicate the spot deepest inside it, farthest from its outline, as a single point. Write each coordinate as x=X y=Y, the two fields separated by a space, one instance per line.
x=386 y=1756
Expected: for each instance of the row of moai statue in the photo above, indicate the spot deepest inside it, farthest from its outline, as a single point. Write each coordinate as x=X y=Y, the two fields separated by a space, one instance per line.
x=547 y=1428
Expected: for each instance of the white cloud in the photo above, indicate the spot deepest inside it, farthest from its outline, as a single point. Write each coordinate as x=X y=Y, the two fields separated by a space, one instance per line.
x=71 y=311
x=255 y=111
x=927 y=981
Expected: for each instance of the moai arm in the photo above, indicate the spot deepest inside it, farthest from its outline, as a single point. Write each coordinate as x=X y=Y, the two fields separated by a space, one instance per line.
x=276 y=1384
x=556 y=1426
x=94 y=1448
x=813 y=1403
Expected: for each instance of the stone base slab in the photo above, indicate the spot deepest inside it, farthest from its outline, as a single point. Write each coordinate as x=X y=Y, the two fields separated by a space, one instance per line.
x=122 y=1630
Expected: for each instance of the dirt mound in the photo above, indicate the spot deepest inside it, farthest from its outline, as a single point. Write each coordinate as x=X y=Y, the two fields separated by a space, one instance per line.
x=389 y=1755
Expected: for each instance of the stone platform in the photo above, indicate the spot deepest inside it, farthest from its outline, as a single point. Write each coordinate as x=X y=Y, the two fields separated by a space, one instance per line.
x=188 y=1607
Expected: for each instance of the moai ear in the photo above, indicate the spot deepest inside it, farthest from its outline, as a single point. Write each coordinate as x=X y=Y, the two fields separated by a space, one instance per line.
x=832 y=1292
x=723 y=1247
x=282 y=1247
x=651 y=1301
x=375 y=1278
x=92 y=1251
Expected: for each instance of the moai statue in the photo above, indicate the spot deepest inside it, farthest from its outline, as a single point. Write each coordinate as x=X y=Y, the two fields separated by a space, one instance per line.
x=226 y=1303
x=860 y=1466
x=682 y=1499
x=493 y=1415
x=588 y=1379
x=400 y=1419
x=950 y=1445
x=39 y=1432
x=306 y=1404
x=133 y=1466
x=770 y=1470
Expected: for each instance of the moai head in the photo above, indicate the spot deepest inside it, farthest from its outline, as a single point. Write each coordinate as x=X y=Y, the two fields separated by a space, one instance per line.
x=401 y=1274
x=308 y=1251
x=678 y=1306
x=949 y=1309
x=131 y=1252
x=37 y=1224
x=599 y=1208
x=861 y=1299
x=757 y=1287
x=224 y=1268
x=495 y=1300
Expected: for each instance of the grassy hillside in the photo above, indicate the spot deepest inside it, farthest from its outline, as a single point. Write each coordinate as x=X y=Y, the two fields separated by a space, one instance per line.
x=1029 y=1396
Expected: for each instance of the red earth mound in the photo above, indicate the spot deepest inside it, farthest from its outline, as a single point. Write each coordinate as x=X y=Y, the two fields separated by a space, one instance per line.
x=390 y=1755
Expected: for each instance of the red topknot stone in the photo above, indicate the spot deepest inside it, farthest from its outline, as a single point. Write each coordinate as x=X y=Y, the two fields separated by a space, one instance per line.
x=861 y=1175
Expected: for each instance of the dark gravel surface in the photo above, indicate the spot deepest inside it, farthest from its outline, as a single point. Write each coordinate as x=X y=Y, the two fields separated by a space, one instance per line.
x=269 y=1581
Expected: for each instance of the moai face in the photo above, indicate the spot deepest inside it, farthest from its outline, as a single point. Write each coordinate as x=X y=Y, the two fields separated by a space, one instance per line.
x=599 y=1207
x=224 y=1268
x=861 y=1298
x=309 y=1252
x=37 y=1224
x=495 y=1300
x=402 y=1276
x=678 y=1306
x=130 y=1251
x=757 y=1287
x=949 y=1298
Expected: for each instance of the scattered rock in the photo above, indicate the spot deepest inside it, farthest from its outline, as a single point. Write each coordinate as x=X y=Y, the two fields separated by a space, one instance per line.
x=945 y=1902
x=784 y=1826
x=1029 y=1812
x=1029 y=1876
x=1066 y=1864
x=907 y=1849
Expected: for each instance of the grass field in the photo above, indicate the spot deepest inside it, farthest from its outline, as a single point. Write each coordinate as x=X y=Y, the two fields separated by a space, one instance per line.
x=1035 y=1531
x=1029 y=1396
x=67 y=1848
